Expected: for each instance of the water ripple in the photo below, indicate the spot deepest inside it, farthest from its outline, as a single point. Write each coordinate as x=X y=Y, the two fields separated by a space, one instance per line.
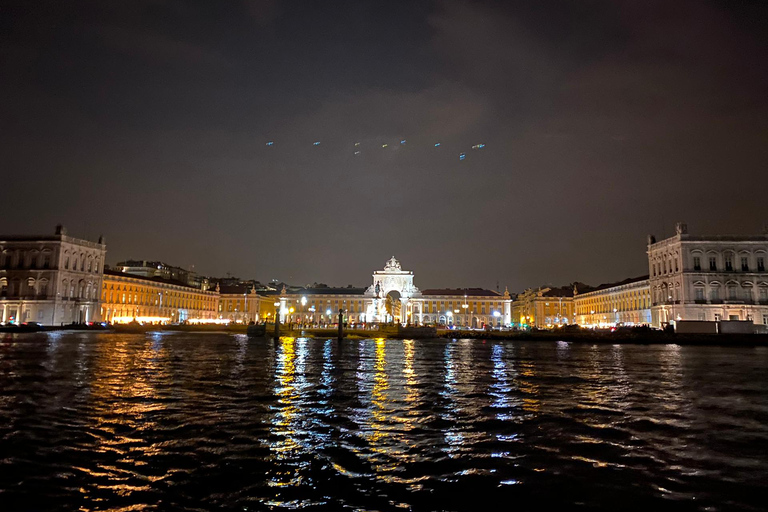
x=182 y=421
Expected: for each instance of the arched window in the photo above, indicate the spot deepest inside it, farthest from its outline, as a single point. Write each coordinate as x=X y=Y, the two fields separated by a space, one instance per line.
x=714 y=291
x=728 y=261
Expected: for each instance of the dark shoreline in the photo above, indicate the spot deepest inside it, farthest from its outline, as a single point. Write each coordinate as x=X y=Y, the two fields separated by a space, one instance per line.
x=592 y=337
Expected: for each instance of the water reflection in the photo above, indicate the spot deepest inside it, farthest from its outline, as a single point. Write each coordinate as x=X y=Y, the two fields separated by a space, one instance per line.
x=283 y=426
x=210 y=422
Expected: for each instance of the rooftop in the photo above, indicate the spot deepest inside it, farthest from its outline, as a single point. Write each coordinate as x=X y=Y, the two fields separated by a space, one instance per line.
x=156 y=279
x=469 y=292
x=605 y=286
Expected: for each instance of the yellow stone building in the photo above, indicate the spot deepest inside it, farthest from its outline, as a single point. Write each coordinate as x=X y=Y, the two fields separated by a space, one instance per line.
x=625 y=303
x=543 y=308
x=126 y=297
x=238 y=304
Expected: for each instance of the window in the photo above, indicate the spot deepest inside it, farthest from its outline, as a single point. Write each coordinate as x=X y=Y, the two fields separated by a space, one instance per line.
x=66 y=263
x=699 y=293
x=732 y=293
x=46 y=261
x=761 y=264
x=765 y=319
x=712 y=263
x=665 y=266
x=718 y=317
x=728 y=263
x=696 y=263
x=714 y=294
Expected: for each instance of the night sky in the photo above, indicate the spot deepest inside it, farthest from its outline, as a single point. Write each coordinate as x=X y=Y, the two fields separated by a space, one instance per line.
x=147 y=122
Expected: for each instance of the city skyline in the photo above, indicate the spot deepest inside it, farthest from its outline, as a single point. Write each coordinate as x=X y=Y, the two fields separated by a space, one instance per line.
x=149 y=123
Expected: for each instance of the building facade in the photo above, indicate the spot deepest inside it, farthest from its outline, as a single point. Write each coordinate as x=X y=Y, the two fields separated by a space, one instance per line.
x=238 y=304
x=127 y=297
x=52 y=280
x=543 y=308
x=393 y=297
x=709 y=278
x=625 y=303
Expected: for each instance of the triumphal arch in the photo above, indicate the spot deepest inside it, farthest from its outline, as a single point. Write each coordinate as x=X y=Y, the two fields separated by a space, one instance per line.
x=395 y=284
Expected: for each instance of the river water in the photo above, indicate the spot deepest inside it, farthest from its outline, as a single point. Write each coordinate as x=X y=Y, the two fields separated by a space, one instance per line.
x=180 y=421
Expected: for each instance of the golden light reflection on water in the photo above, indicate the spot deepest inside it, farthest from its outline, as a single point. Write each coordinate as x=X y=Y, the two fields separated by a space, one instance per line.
x=378 y=394
x=411 y=380
x=527 y=371
x=385 y=422
x=124 y=383
x=282 y=425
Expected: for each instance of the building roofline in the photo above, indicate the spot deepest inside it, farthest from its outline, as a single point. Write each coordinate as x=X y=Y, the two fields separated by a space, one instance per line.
x=156 y=280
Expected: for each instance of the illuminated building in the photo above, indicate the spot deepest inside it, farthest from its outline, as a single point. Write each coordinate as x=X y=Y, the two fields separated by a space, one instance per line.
x=464 y=307
x=392 y=297
x=544 y=308
x=126 y=297
x=52 y=280
x=160 y=269
x=238 y=303
x=625 y=303
x=710 y=278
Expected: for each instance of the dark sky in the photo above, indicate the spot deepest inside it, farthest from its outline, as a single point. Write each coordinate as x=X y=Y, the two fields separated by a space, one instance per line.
x=603 y=120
